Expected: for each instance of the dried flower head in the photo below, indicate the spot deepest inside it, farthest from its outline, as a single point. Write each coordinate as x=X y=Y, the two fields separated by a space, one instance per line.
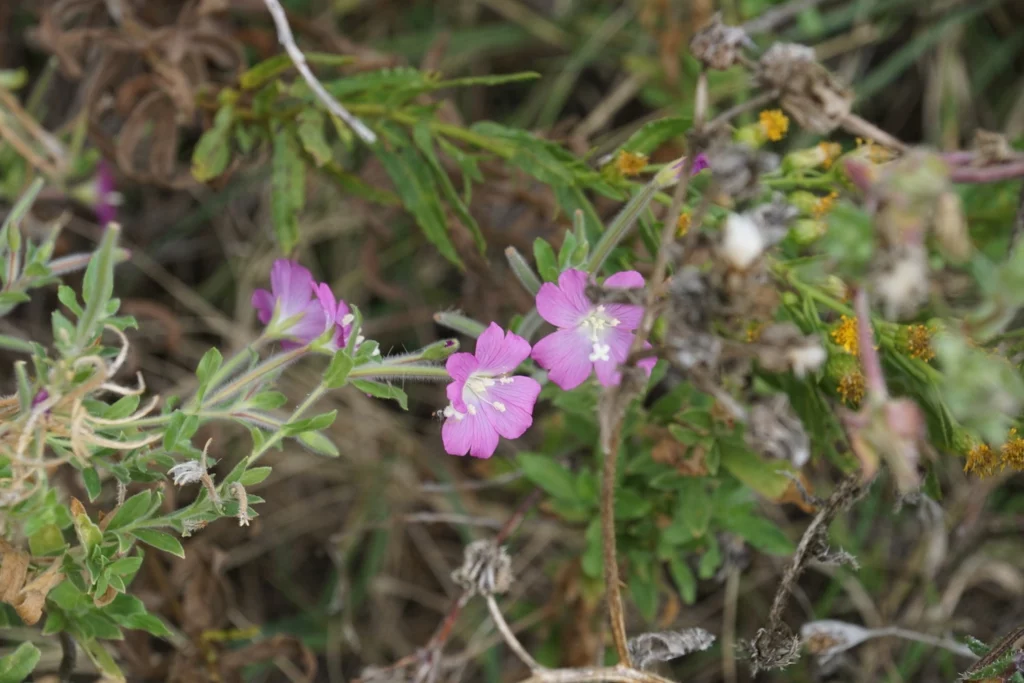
x=991 y=148
x=486 y=569
x=810 y=93
x=737 y=168
x=188 y=472
x=630 y=163
x=774 y=218
x=827 y=638
x=774 y=123
x=742 y=242
x=899 y=280
x=717 y=45
x=851 y=388
x=238 y=493
x=663 y=646
x=784 y=348
x=844 y=334
x=776 y=432
x=1012 y=452
x=774 y=648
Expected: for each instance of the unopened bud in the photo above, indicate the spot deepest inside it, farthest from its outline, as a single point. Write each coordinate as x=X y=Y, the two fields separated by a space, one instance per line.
x=523 y=272
x=753 y=135
x=440 y=350
x=808 y=230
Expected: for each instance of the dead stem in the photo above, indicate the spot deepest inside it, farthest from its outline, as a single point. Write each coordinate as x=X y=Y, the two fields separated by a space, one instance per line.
x=284 y=35
x=510 y=638
x=608 y=674
x=858 y=126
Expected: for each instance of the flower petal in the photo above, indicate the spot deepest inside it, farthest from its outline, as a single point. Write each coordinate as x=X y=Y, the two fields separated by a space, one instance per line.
x=511 y=405
x=628 y=315
x=627 y=279
x=565 y=354
x=311 y=325
x=292 y=285
x=472 y=434
x=263 y=302
x=460 y=365
x=454 y=392
x=564 y=305
x=618 y=342
x=498 y=353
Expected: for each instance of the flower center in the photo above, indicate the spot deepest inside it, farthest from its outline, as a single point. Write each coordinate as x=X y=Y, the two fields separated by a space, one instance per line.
x=475 y=392
x=594 y=325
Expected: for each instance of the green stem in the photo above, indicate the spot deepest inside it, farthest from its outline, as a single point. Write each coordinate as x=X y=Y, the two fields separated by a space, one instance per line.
x=277 y=436
x=403 y=371
x=621 y=226
x=270 y=365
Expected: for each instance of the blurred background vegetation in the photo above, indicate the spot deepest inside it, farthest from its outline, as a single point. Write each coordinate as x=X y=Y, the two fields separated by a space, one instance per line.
x=349 y=561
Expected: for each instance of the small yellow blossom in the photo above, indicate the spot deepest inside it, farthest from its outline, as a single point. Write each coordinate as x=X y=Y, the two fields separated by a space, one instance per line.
x=1012 y=451
x=919 y=342
x=851 y=388
x=754 y=331
x=824 y=204
x=830 y=151
x=981 y=461
x=683 y=224
x=874 y=152
x=774 y=124
x=630 y=163
x=845 y=335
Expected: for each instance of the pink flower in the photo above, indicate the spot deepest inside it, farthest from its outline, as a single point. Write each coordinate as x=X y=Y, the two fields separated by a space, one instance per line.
x=589 y=335
x=107 y=197
x=485 y=401
x=299 y=309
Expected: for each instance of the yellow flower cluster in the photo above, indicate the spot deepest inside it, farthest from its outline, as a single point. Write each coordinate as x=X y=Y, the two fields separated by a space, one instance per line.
x=630 y=163
x=830 y=151
x=919 y=342
x=983 y=462
x=851 y=388
x=774 y=123
x=845 y=335
x=824 y=204
x=683 y=224
x=875 y=153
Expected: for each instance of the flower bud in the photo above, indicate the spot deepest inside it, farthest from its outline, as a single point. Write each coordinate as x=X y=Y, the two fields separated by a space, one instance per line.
x=752 y=136
x=808 y=230
x=803 y=200
x=440 y=350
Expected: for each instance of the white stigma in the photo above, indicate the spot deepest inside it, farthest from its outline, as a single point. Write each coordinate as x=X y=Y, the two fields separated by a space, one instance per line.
x=499 y=406
x=600 y=352
x=449 y=411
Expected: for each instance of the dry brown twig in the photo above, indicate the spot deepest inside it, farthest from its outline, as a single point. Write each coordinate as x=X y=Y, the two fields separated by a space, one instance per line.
x=284 y=35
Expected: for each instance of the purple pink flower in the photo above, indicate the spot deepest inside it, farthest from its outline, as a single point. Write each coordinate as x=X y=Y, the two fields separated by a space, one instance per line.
x=590 y=335
x=107 y=197
x=486 y=400
x=298 y=309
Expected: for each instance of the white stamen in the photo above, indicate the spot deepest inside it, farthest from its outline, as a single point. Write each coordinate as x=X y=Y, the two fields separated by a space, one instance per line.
x=596 y=322
x=600 y=352
x=506 y=380
x=450 y=411
x=471 y=409
x=499 y=406
x=347 y=319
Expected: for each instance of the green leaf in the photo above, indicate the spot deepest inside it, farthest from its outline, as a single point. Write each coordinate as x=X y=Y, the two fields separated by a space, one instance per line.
x=653 y=135
x=310 y=424
x=212 y=152
x=547 y=264
x=644 y=592
x=381 y=390
x=47 y=540
x=757 y=531
x=255 y=475
x=99 y=656
x=15 y=667
x=425 y=142
x=97 y=286
x=132 y=510
x=544 y=160
x=288 y=184
x=181 y=427
x=268 y=69
x=91 y=479
x=267 y=400
x=684 y=579
x=150 y=623
x=319 y=443
x=9 y=343
x=693 y=509
x=311 y=135
x=337 y=372
x=160 y=541
x=89 y=535
x=209 y=364
x=548 y=474
x=757 y=473
x=125 y=566
x=67 y=296
x=414 y=182
x=631 y=505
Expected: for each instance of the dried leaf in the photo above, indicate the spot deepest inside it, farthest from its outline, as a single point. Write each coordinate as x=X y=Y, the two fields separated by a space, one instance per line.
x=13 y=570
x=662 y=646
